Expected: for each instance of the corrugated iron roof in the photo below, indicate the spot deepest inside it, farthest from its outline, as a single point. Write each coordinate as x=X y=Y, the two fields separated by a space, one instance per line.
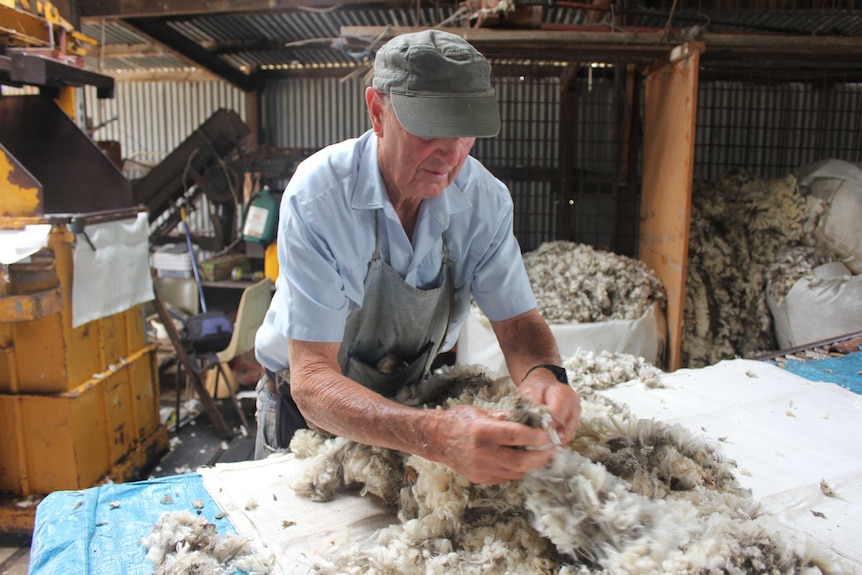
x=298 y=40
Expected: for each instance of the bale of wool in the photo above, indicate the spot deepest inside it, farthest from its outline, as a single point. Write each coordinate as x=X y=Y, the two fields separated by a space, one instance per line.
x=592 y=300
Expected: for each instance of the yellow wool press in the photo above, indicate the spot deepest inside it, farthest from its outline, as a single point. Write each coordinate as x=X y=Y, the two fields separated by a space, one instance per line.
x=78 y=403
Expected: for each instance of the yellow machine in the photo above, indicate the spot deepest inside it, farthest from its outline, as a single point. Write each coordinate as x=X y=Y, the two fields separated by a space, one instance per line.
x=78 y=405
x=39 y=25
x=39 y=47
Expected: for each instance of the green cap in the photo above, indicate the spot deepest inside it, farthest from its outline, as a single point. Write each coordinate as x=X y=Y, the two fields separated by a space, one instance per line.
x=439 y=85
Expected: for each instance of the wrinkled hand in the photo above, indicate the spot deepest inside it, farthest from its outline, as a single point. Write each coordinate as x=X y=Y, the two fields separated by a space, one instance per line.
x=542 y=388
x=486 y=448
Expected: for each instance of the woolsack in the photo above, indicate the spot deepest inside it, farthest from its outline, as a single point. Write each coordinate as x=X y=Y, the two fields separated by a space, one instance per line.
x=625 y=496
x=824 y=302
x=839 y=185
x=592 y=300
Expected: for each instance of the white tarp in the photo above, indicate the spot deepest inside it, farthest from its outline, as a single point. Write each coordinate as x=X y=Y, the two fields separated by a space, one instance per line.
x=116 y=274
x=786 y=434
x=258 y=500
x=15 y=245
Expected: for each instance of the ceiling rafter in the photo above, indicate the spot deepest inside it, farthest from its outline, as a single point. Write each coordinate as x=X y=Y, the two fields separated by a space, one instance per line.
x=121 y=9
x=158 y=30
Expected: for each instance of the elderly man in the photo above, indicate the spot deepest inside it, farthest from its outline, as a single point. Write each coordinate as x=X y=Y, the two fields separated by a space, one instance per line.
x=382 y=242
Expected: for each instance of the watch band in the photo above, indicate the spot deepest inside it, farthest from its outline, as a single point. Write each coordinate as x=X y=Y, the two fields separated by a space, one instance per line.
x=559 y=372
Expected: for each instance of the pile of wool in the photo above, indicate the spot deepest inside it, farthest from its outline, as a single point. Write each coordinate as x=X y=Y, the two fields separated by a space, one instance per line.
x=625 y=496
x=184 y=544
x=577 y=283
x=739 y=227
x=607 y=369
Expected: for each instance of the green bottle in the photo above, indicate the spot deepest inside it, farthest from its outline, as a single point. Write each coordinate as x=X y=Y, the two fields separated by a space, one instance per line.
x=261 y=217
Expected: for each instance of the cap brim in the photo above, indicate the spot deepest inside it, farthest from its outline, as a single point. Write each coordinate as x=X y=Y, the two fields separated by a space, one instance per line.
x=448 y=117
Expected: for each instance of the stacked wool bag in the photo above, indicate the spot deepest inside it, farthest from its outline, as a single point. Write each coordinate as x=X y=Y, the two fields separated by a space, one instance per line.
x=812 y=297
x=815 y=291
x=739 y=227
x=838 y=184
x=625 y=496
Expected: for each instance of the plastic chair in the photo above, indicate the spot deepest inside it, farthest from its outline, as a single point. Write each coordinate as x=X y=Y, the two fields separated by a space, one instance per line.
x=180 y=293
x=253 y=305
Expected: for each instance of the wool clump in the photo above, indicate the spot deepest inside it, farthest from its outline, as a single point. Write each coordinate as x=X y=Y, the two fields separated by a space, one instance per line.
x=184 y=544
x=625 y=496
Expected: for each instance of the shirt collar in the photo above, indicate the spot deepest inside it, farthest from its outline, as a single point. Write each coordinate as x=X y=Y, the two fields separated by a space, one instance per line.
x=370 y=192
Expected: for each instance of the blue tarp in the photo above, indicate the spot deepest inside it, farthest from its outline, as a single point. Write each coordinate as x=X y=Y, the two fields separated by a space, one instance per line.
x=844 y=370
x=81 y=532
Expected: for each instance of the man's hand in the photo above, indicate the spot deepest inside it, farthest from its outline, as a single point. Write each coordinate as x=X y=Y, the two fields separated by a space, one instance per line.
x=527 y=341
x=542 y=388
x=485 y=447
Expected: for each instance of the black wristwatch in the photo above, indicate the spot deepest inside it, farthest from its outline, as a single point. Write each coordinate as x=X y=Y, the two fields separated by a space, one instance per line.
x=559 y=372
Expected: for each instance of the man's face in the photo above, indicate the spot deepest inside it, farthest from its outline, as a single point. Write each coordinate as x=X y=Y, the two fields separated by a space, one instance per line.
x=413 y=167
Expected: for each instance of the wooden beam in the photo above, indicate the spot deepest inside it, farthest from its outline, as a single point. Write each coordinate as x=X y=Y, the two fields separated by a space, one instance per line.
x=784 y=47
x=120 y=9
x=162 y=33
x=635 y=45
x=131 y=51
x=544 y=44
x=196 y=75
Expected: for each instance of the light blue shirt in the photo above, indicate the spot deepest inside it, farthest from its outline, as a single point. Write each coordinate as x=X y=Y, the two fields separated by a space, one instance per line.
x=326 y=239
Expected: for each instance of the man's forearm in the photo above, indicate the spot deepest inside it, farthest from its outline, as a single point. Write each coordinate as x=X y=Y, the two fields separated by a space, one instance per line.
x=347 y=409
x=526 y=341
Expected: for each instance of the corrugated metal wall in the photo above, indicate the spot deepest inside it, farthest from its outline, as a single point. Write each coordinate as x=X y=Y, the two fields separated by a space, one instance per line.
x=150 y=119
x=313 y=112
x=767 y=129
x=770 y=129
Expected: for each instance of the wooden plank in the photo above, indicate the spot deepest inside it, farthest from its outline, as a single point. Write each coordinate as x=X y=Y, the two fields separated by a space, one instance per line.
x=542 y=44
x=635 y=44
x=670 y=109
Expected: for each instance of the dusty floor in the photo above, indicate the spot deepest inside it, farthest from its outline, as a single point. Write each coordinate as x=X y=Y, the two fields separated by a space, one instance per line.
x=194 y=444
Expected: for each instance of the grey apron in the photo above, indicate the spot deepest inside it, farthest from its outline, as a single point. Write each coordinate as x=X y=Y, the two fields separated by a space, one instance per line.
x=391 y=341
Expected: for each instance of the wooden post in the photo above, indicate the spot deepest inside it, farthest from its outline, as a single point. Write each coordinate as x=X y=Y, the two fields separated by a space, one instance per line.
x=670 y=110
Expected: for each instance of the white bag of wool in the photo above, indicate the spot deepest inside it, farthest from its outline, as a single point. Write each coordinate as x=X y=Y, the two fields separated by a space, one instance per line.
x=593 y=300
x=810 y=302
x=839 y=185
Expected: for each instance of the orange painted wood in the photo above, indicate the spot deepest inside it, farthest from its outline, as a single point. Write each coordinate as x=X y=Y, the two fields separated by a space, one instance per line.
x=669 y=123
